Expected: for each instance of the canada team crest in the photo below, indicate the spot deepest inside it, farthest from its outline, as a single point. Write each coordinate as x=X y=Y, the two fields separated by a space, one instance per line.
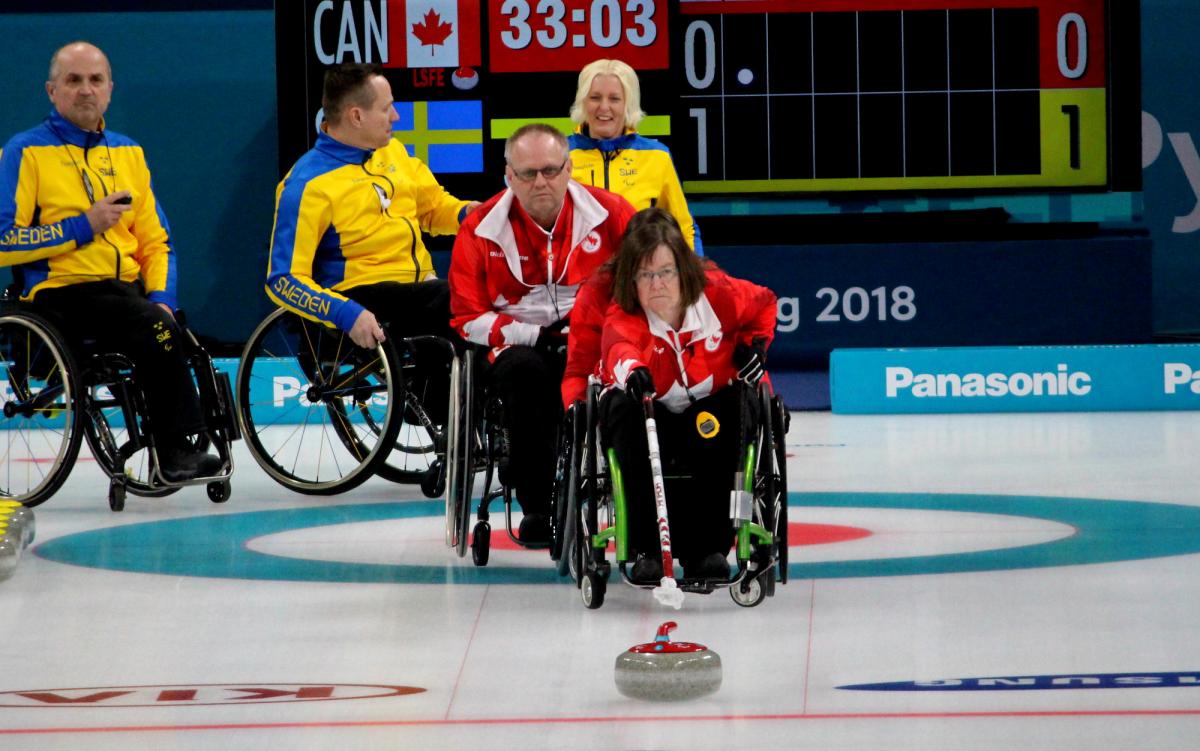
x=591 y=243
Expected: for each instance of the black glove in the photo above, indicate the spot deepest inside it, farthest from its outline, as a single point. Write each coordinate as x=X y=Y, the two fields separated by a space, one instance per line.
x=751 y=361
x=551 y=340
x=639 y=384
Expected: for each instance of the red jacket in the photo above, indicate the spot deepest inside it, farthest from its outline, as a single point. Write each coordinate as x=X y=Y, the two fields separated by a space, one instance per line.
x=698 y=359
x=587 y=325
x=509 y=277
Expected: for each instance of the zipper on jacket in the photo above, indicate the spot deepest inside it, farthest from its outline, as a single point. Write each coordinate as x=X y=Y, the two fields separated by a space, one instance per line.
x=413 y=246
x=608 y=156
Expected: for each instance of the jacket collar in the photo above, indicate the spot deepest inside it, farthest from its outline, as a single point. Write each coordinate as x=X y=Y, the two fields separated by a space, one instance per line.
x=335 y=149
x=700 y=320
x=623 y=141
x=587 y=215
x=71 y=133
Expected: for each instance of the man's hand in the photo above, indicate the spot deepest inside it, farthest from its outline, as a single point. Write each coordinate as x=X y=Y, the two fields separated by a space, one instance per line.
x=366 y=331
x=167 y=308
x=107 y=211
x=551 y=339
x=471 y=207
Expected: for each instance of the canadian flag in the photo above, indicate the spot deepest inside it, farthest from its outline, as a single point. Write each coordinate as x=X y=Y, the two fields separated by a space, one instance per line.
x=433 y=33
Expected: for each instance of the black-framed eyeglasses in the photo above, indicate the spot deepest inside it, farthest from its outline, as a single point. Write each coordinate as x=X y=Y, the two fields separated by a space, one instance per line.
x=529 y=175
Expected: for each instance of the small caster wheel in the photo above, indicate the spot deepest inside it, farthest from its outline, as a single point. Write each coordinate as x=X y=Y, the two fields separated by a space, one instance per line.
x=591 y=589
x=116 y=497
x=481 y=543
x=218 y=492
x=749 y=593
x=433 y=482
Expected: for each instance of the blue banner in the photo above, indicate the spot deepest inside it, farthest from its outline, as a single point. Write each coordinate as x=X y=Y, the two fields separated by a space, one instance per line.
x=1016 y=379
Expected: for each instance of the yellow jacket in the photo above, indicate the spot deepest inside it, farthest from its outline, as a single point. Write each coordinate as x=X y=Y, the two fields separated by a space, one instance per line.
x=49 y=176
x=639 y=169
x=345 y=217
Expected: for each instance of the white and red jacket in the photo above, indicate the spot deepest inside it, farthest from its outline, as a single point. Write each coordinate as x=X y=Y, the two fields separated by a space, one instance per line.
x=509 y=277
x=697 y=360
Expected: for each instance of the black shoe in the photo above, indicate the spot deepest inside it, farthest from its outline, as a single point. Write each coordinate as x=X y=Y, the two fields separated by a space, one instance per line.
x=178 y=464
x=646 y=570
x=711 y=566
x=535 y=529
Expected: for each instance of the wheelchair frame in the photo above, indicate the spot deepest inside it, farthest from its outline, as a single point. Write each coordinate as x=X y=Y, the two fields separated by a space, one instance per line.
x=591 y=500
x=345 y=409
x=55 y=400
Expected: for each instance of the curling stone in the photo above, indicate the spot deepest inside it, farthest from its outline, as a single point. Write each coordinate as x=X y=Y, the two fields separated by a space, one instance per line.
x=20 y=520
x=10 y=552
x=665 y=670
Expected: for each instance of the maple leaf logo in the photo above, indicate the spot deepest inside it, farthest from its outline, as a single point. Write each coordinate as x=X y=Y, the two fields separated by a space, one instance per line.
x=432 y=31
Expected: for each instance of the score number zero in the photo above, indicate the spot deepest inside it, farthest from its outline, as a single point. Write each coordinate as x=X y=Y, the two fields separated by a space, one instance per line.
x=604 y=19
x=854 y=304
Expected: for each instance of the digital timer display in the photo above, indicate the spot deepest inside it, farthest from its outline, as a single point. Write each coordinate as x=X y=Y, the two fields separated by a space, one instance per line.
x=530 y=36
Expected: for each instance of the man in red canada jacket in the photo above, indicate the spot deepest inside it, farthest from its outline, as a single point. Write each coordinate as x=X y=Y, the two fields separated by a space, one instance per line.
x=517 y=264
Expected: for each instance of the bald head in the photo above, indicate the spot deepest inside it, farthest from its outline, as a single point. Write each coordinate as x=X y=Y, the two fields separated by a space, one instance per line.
x=75 y=48
x=80 y=84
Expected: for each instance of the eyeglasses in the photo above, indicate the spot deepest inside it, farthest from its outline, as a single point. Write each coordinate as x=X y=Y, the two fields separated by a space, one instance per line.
x=529 y=175
x=646 y=277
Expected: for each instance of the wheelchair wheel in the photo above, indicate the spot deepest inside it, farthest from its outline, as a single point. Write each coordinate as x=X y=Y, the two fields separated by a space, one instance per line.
x=40 y=438
x=770 y=483
x=779 y=433
x=460 y=454
x=566 y=484
x=317 y=411
x=592 y=589
x=750 y=593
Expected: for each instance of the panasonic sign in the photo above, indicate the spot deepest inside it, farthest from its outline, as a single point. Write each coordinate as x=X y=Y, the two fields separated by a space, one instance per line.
x=1078 y=378
x=1059 y=382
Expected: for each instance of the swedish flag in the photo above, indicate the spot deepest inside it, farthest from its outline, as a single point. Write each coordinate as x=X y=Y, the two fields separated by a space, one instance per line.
x=448 y=136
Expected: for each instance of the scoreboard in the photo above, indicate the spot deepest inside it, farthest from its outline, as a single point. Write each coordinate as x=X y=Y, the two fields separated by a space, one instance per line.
x=754 y=97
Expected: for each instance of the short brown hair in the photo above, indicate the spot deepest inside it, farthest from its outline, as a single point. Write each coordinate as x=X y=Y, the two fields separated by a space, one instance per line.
x=345 y=87
x=648 y=229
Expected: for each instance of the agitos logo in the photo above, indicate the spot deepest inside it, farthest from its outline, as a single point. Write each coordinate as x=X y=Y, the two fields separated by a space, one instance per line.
x=206 y=694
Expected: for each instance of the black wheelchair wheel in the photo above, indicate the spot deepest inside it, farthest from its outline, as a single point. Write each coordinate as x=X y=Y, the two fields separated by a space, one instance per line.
x=460 y=453
x=779 y=417
x=40 y=435
x=592 y=589
x=304 y=393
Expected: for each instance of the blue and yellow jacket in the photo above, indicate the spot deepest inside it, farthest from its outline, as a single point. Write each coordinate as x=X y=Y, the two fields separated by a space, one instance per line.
x=345 y=217
x=639 y=169
x=49 y=177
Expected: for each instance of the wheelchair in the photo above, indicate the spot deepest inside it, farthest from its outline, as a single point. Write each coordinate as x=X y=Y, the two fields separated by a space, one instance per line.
x=590 y=502
x=476 y=443
x=321 y=415
x=54 y=401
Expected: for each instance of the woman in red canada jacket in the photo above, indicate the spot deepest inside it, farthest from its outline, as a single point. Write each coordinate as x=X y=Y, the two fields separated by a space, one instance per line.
x=681 y=331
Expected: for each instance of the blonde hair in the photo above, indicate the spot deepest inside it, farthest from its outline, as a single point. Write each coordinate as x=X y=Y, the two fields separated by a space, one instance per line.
x=629 y=82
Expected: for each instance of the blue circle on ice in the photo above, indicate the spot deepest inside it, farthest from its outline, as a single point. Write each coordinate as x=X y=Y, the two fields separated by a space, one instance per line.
x=216 y=545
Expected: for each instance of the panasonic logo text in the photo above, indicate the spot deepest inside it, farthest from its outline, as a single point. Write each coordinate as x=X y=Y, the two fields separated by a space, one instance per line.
x=1060 y=382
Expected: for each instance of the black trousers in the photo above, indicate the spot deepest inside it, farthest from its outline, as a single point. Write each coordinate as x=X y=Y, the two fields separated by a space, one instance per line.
x=529 y=383
x=698 y=472
x=416 y=309
x=115 y=316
